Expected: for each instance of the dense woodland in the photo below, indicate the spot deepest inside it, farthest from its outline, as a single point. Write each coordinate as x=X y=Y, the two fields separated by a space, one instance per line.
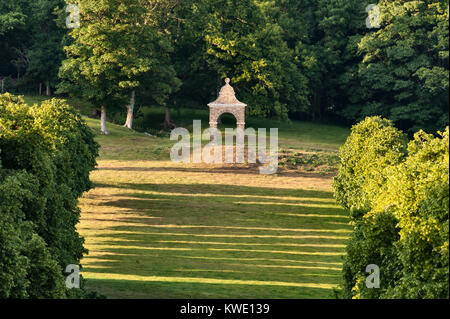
x=288 y=59
x=313 y=60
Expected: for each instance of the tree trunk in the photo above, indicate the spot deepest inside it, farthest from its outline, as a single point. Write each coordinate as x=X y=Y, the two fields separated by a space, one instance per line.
x=40 y=88
x=167 y=116
x=130 y=107
x=3 y=85
x=167 y=122
x=47 y=88
x=103 y=128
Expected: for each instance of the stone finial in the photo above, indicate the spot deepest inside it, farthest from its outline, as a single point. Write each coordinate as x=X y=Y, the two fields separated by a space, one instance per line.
x=227 y=96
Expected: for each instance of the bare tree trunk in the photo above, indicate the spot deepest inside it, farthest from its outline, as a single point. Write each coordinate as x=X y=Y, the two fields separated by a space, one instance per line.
x=167 y=122
x=130 y=107
x=167 y=115
x=103 y=128
x=40 y=88
x=47 y=88
x=3 y=85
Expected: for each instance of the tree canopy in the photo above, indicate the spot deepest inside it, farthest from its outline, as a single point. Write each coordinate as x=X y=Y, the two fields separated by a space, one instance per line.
x=313 y=60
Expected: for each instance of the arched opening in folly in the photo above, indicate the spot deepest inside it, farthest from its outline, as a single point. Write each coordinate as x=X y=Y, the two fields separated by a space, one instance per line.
x=224 y=106
x=226 y=120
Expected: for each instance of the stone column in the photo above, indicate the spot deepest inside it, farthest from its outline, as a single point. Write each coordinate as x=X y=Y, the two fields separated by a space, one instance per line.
x=212 y=124
x=213 y=133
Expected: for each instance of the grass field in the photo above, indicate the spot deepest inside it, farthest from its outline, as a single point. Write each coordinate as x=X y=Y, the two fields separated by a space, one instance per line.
x=157 y=229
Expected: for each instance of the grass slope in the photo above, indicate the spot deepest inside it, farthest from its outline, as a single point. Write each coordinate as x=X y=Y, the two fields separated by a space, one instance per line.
x=157 y=229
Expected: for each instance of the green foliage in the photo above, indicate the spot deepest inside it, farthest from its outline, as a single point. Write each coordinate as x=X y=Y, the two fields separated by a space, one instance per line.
x=31 y=38
x=10 y=15
x=403 y=226
x=373 y=146
x=118 y=48
x=48 y=32
x=28 y=269
x=417 y=193
x=14 y=190
x=372 y=242
x=43 y=273
x=46 y=155
x=243 y=44
x=14 y=28
x=324 y=34
x=310 y=59
x=318 y=162
x=404 y=70
x=236 y=39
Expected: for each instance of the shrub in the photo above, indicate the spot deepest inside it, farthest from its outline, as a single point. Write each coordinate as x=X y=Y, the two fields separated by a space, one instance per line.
x=404 y=225
x=373 y=146
x=371 y=243
x=417 y=193
x=13 y=264
x=46 y=155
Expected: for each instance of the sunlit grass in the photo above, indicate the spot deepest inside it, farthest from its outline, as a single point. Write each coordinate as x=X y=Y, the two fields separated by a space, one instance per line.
x=207 y=280
x=157 y=229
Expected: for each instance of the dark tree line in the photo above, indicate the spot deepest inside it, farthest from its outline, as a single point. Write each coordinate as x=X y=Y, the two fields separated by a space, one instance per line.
x=309 y=59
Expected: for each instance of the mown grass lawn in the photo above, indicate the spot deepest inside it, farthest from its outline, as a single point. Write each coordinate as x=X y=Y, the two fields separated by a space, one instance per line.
x=157 y=229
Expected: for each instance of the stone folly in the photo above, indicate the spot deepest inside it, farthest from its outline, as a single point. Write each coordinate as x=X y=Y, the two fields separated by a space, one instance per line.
x=227 y=103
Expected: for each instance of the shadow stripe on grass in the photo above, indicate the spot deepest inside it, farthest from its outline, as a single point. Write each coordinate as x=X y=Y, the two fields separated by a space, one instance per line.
x=204 y=280
x=249 y=244
x=246 y=228
x=93 y=247
x=121 y=232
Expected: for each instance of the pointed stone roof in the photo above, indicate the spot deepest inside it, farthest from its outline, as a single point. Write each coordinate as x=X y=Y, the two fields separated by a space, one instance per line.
x=227 y=96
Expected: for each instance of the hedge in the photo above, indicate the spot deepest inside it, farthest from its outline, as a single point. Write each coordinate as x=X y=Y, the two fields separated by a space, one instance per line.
x=46 y=154
x=402 y=200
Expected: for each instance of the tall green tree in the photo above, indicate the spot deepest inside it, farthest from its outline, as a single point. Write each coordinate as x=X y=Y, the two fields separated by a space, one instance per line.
x=341 y=25
x=11 y=15
x=48 y=31
x=14 y=36
x=161 y=81
x=110 y=53
x=324 y=35
x=404 y=71
x=187 y=27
